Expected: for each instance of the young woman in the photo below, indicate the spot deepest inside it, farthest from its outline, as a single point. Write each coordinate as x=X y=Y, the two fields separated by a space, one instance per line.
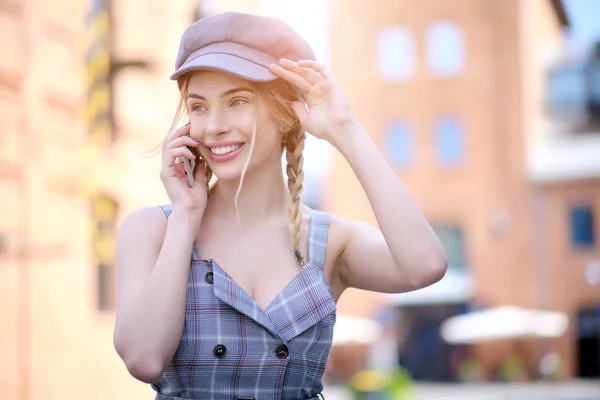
x=229 y=292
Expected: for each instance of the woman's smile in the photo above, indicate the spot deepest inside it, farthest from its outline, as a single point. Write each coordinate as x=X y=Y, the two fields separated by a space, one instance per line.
x=224 y=151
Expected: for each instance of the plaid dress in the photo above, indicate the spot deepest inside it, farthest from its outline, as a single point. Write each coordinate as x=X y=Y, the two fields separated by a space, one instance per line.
x=232 y=349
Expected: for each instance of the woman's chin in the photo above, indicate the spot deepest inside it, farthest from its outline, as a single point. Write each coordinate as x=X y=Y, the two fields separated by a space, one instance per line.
x=232 y=171
x=226 y=173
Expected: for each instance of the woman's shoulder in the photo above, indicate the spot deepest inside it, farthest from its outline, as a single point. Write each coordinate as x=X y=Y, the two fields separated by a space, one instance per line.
x=155 y=213
x=147 y=219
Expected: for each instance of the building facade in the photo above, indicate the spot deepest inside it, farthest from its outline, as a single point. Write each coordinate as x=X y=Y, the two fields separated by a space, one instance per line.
x=455 y=94
x=84 y=94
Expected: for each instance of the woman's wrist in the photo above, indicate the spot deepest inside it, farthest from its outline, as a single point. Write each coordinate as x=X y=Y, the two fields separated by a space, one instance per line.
x=187 y=219
x=349 y=139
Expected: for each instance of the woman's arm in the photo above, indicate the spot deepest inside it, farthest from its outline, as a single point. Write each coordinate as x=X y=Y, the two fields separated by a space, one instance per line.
x=153 y=260
x=406 y=254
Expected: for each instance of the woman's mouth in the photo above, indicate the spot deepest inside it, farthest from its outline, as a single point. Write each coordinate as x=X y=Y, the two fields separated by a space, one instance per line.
x=224 y=152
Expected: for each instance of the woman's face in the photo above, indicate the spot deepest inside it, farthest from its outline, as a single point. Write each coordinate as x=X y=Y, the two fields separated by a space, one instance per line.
x=223 y=110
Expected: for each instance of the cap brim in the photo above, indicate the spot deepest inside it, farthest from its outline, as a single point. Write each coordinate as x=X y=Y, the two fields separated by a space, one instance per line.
x=227 y=63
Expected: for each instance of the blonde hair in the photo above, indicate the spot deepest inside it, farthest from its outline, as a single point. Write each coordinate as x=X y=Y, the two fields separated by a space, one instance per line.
x=278 y=97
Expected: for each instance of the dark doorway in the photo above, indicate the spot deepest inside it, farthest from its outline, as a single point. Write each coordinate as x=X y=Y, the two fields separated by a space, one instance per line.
x=425 y=355
x=588 y=343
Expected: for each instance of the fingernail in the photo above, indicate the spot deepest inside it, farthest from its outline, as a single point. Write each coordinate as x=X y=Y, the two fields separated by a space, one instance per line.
x=195 y=140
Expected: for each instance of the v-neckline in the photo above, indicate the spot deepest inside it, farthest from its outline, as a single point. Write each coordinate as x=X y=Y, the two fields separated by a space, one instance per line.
x=290 y=312
x=309 y=262
x=248 y=295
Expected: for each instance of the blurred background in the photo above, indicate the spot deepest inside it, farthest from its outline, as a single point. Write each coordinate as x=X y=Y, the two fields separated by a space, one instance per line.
x=488 y=109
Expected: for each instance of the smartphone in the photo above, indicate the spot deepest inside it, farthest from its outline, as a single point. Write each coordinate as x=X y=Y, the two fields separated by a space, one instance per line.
x=190 y=167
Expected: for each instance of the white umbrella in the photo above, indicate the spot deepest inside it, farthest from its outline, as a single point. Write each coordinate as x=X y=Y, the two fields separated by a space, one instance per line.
x=503 y=323
x=357 y=330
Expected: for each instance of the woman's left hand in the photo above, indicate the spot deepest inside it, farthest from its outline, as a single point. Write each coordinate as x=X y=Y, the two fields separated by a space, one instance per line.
x=328 y=111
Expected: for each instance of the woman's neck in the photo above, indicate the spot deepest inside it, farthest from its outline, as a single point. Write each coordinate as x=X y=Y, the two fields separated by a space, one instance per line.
x=263 y=194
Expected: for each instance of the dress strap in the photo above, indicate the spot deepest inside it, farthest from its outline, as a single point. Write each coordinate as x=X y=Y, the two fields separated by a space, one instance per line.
x=318 y=230
x=167 y=208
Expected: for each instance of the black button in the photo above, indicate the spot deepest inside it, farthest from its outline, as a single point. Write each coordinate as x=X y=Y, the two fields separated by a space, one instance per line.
x=282 y=351
x=219 y=351
x=209 y=277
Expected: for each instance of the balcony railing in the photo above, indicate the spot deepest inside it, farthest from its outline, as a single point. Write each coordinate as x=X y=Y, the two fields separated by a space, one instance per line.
x=560 y=155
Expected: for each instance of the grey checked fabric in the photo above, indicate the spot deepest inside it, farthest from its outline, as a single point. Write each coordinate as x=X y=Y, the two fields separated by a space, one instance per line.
x=232 y=349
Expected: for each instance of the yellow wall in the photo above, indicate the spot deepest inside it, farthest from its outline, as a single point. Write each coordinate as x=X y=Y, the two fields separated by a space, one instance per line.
x=54 y=343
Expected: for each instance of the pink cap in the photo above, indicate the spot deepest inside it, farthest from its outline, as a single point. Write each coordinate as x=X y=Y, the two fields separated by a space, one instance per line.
x=241 y=44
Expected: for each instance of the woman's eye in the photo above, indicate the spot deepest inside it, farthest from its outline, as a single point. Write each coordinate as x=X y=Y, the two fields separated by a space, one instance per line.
x=198 y=107
x=238 y=102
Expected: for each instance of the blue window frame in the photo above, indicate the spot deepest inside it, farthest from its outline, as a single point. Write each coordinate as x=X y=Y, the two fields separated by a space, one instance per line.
x=582 y=226
x=449 y=140
x=399 y=143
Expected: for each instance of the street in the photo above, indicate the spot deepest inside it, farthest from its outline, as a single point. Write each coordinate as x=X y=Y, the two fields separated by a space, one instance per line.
x=573 y=390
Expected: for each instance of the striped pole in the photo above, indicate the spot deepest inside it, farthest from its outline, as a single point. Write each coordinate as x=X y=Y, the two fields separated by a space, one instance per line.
x=104 y=225
x=99 y=116
x=98 y=111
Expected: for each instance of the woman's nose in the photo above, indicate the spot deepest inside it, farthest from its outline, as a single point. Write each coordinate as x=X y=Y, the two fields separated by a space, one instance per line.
x=216 y=124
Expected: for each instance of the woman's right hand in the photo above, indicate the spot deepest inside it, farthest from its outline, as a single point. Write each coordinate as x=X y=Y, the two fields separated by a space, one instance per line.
x=172 y=173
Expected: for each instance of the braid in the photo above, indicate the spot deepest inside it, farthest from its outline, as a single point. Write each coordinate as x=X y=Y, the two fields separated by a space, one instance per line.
x=294 y=142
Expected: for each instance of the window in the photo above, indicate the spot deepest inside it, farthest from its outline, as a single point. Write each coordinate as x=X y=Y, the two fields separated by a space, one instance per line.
x=566 y=91
x=594 y=94
x=3 y=245
x=594 y=83
x=104 y=217
x=449 y=140
x=396 y=53
x=399 y=143
x=452 y=239
x=444 y=43
x=582 y=226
